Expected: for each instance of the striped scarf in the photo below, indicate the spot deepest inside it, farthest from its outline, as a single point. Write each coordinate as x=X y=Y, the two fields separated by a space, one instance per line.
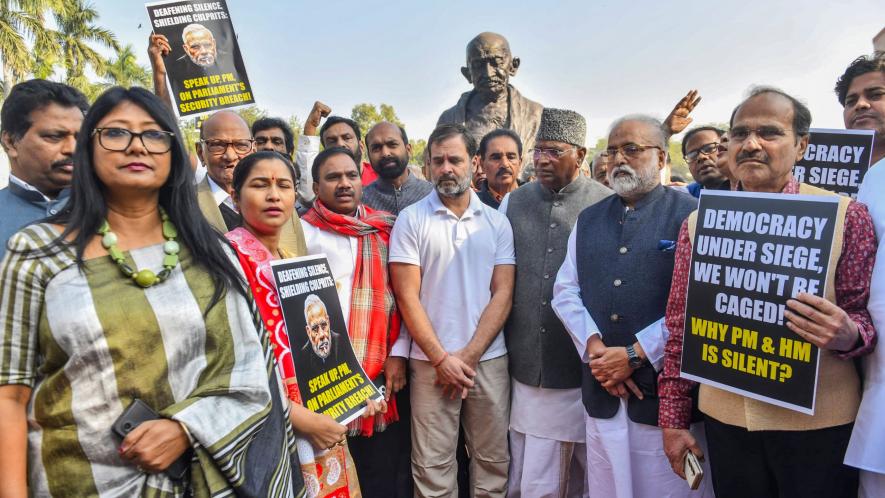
x=374 y=321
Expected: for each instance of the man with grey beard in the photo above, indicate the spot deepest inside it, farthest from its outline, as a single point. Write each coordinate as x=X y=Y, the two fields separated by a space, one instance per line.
x=452 y=270
x=610 y=294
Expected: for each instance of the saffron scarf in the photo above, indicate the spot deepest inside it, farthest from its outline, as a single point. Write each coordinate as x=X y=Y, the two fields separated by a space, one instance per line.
x=374 y=321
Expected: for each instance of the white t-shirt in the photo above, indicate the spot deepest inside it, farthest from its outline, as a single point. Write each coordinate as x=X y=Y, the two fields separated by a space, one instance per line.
x=457 y=258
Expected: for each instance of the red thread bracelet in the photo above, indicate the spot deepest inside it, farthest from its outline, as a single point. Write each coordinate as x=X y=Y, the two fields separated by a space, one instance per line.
x=439 y=362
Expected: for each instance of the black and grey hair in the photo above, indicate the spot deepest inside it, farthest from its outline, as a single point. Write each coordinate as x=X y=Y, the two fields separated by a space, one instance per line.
x=446 y=131
x=500 y=132
x=801 y=114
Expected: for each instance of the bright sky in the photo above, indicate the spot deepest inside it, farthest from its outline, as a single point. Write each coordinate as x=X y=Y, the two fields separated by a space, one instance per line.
x=602 y=58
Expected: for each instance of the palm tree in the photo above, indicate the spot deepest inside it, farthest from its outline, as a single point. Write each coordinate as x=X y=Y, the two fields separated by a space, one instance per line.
x=20 y=20
x=76 y=30
x=125 y=70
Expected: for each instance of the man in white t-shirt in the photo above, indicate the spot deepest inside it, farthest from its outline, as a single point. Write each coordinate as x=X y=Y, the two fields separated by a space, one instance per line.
x=861 y=91
x=452 y=267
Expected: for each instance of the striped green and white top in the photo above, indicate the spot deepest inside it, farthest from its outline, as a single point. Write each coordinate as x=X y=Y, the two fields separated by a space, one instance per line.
x=89 y=342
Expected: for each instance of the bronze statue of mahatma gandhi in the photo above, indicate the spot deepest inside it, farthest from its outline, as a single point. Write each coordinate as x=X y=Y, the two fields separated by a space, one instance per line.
x=494 y=102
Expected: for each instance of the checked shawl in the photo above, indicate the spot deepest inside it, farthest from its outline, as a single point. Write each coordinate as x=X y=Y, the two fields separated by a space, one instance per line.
x=374 y=322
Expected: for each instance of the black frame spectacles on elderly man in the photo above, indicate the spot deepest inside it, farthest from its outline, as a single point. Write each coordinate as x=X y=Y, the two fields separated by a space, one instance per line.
x=709 y=149
x=551 y=153
x=217 y=147
x=119 y=139
x=630 y=150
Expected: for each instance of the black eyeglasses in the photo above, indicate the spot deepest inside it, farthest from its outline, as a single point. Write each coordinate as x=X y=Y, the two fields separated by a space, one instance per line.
x=630 y=150
x=551 y=153
x=708 y=149
x=218 y=147
x=119 y=139
x=764 y=133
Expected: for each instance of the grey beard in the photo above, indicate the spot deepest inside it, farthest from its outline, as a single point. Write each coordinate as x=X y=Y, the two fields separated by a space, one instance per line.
x=453 y=191
x=633 y=184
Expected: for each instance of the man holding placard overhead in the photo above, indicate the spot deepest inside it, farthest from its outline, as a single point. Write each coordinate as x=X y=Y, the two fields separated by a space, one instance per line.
x=756 y=448
x=861 y=91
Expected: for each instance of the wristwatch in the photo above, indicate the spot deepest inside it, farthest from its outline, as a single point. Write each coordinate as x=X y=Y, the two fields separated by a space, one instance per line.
x=632 y=358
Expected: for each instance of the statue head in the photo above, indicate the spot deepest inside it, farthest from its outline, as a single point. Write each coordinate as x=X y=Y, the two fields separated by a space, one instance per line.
x=490 y=65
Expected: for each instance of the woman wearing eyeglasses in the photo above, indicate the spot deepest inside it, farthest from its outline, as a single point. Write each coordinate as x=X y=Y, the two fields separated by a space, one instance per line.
x=129 y=294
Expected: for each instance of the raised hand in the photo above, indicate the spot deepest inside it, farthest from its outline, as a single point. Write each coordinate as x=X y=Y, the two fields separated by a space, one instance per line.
x=317 y=113
x=678 y=119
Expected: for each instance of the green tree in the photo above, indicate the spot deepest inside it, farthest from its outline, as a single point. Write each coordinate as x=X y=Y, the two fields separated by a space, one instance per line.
x=367 y=116
x=76 y=32
x=418 y=148
x=20 y=21
x=297 y=127
x=251 y=114
x=125 y=71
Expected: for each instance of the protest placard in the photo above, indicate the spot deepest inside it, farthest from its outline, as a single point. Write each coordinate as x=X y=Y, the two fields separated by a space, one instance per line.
x=205 y=70
x=330 y=379
x=751 y=253
x=836 y=160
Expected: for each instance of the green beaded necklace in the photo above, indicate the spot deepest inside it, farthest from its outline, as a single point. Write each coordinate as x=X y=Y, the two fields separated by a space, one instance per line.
x=144 y=278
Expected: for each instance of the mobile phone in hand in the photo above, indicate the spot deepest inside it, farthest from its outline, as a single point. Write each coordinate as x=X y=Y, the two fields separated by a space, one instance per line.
x=694 y=473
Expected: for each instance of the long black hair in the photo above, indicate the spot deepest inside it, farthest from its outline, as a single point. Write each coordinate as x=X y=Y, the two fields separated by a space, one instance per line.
x=87 y=209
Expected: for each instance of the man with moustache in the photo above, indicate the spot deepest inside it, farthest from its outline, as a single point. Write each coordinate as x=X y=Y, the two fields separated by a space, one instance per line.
x=547 y=452
x=396 y=187
x=700 y=148
x=354 y=238
x=610 y=294
x=39 y=122
x=861 y=91
x=452 y=269
x=337 y=131
x=755 y=448
x=500 y=158
x=225 y=138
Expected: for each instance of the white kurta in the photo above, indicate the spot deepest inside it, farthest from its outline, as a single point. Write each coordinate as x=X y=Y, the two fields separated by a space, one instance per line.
x=547 y=452
x=625 y=459
x=865 y=449
x=340 y=250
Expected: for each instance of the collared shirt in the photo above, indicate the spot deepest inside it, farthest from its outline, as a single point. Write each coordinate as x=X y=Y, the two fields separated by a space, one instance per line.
x=221 y=196
x=22 y=205
x=27 y=186
x=491 y=198
x=457 y=257
x=381 y=194
x=853 y=274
